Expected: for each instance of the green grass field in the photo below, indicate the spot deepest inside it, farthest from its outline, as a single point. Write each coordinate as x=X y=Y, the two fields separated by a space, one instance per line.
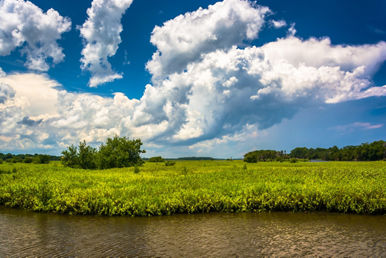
x=196 y=187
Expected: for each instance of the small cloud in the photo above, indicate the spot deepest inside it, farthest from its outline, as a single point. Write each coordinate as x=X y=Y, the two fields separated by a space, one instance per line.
x=126 y=60
x=2 y=73
x=377 y=30
x=278 y=24
x=357 y=126
x=292 y=30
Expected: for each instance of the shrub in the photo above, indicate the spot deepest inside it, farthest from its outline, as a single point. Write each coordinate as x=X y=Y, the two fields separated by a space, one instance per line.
x=156 y=159
x=169 y=163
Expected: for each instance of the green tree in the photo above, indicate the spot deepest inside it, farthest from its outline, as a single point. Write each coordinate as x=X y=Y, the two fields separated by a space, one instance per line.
x=120 y=152
x=70 y=157
x=86 y=156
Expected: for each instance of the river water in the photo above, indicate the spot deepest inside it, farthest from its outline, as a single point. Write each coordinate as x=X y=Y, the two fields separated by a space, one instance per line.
x=25 y=233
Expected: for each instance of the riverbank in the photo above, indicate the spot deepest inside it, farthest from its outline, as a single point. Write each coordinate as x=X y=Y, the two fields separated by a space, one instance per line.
x=196 y=187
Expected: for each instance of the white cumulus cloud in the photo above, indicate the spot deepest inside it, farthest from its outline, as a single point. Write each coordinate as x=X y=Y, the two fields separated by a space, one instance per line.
x=24 y=25
x=185 y=38
x=101 y=34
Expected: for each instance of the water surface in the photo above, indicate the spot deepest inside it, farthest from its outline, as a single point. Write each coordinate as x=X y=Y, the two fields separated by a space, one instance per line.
x=25 y=233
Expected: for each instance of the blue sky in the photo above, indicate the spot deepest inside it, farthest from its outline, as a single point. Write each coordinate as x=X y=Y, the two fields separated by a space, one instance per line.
x=326 y=87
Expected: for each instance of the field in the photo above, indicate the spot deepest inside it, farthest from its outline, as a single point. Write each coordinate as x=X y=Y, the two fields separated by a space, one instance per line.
x=196 y=187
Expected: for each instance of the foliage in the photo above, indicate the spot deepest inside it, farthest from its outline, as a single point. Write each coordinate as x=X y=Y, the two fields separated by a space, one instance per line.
x=70 y=157
x=41 y=159
x=118 y=152
x=263 y=155
x=27 y=158
x=169 y=163
x=364 y=152
x=196 y=187
x=156 y=159
x=86 y=156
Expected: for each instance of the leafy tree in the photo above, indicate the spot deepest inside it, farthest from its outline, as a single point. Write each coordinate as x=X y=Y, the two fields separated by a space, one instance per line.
x=120 y=152
x=86 y=156
x=70 y=157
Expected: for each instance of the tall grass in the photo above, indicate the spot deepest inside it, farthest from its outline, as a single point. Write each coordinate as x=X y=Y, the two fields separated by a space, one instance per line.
x=196 y=187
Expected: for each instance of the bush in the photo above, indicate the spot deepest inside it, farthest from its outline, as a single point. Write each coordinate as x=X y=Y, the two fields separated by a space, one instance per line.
x=169 y=163
x=156 y=159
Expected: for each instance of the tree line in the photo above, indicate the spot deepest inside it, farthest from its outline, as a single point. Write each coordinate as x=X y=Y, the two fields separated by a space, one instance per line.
x=364 y=152
x=27 y=158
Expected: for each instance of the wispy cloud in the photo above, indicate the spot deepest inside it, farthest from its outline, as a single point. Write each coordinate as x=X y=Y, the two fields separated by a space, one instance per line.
x=348 y=128
x=278 y=24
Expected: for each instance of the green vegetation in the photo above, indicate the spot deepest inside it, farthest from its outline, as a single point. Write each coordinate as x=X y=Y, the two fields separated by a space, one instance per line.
x=196 y=187
x=364 y=152
x=156 y=159
x=118 y=152
x=27 y=158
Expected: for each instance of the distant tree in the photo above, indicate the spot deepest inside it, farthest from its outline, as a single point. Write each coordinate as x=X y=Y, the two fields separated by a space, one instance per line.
x=156 y=159
x=41 y=159
x=300 y=153
x=262 y=155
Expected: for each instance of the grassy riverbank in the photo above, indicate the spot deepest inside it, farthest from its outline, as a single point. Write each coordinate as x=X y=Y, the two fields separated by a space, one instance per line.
x=195 y=187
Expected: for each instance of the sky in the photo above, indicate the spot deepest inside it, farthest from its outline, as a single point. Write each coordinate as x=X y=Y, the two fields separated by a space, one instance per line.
x=192 y=78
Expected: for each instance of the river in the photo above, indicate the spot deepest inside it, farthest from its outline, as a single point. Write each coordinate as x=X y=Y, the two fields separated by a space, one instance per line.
x=25 y=233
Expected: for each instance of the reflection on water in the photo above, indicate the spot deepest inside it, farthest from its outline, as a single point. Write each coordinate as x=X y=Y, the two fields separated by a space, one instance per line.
x=281 y=234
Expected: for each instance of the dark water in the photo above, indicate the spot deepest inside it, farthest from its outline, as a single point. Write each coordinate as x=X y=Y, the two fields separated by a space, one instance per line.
x=220 y=235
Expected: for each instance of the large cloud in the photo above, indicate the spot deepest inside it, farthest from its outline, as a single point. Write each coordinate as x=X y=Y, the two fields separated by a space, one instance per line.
x=226 y=93
x=185 y=38
x=101 y=33
x=23 y=24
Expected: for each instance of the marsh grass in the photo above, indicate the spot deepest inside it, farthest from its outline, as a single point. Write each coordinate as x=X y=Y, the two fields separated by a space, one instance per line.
x=196 y=187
